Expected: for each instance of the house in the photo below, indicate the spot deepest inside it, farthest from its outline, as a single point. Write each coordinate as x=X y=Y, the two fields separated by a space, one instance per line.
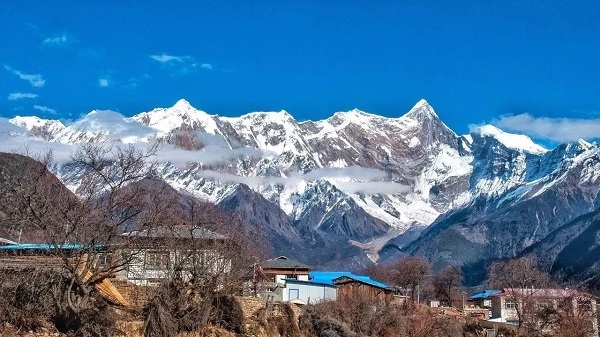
x=305 y=292
x=270 y=277
x=152 y=255
x=505 y=304
x=483 y=299
x=354 y=285
x=328 y=285
x=161 y=251
x=479 y=305
x=284 y=279
x=281 y=268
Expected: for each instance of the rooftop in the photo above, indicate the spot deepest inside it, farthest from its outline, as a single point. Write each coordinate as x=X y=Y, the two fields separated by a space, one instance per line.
x=328 y=277
x=284 y=262
x=542 y=292
x=176 y=232
x=41 y=246
x=485 y=294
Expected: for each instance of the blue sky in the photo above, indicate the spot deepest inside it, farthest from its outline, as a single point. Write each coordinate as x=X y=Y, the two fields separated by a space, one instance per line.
x=474 y=61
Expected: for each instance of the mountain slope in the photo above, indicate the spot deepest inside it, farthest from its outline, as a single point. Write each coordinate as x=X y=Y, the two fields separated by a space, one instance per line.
x=506 y=224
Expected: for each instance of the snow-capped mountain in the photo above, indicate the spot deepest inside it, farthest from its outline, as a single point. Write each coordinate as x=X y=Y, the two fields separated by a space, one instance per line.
x=353 y=178
x=547 y=196
x=44 y=128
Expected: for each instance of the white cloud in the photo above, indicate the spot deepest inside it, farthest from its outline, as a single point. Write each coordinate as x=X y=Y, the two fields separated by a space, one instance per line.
x=165 y=58
x=44 y=109
x=342 y=178
x=554 y=129
x=56 y=40
x=115 y=124
x=103 y=83
x=20 y=95
x=372 y=187
x=208 y=155
x=35 y=80
x=346 y=173
x=180 y=64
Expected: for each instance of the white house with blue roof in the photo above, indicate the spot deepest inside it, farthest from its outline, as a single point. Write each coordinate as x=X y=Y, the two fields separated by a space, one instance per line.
x=323 y=286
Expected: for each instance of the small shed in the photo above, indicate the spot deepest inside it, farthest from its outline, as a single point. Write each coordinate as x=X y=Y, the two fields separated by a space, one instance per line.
x=353 y=285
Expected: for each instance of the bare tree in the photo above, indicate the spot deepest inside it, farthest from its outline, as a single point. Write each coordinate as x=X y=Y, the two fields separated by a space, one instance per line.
x=521 y=278
x=572 y=316
x=410 y=273
x=80 y=230
x=379 y=272
x=212 y=257
x=446 y=282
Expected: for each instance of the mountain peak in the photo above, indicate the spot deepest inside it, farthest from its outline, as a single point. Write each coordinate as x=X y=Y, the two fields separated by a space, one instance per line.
x=351 y=114
x=422 y=110
x=585 y=144
x=182 y=104
x=510 y=140
x=46 y=128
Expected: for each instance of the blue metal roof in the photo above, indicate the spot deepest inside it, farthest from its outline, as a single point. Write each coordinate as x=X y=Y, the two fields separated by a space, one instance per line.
x=485 y=294
x=327 y=277
x=43 y=246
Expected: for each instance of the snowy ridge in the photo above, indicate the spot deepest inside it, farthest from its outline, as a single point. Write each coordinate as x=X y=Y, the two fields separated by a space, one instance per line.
x=511 y=141
x=38 y=126
x=180 y=115
x=403 y=171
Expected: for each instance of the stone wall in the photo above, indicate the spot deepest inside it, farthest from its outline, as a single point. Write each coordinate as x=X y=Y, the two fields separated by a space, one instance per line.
x=250 y=306
x=137 y=296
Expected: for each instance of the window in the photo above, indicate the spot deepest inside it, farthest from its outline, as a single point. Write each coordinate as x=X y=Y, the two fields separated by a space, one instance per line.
x=294 y=293
x=157 y=260
x=510 y=305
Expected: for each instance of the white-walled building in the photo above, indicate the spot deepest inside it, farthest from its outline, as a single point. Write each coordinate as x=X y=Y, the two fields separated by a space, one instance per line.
x=306 y=292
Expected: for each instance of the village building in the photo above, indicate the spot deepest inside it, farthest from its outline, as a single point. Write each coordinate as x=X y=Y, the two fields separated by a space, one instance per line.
x=483 y=299
x=270 y=277
x=153 y=256
x=285 y=279
x=354 y=285
x=480 y=304
x=280 y=268
x=330 y=285
x=326 y=285
x=159 y=252
x=504 y=305
x=308 y=292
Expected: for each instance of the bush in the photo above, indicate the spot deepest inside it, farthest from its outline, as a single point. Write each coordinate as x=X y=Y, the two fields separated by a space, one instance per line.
x=227 y=312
